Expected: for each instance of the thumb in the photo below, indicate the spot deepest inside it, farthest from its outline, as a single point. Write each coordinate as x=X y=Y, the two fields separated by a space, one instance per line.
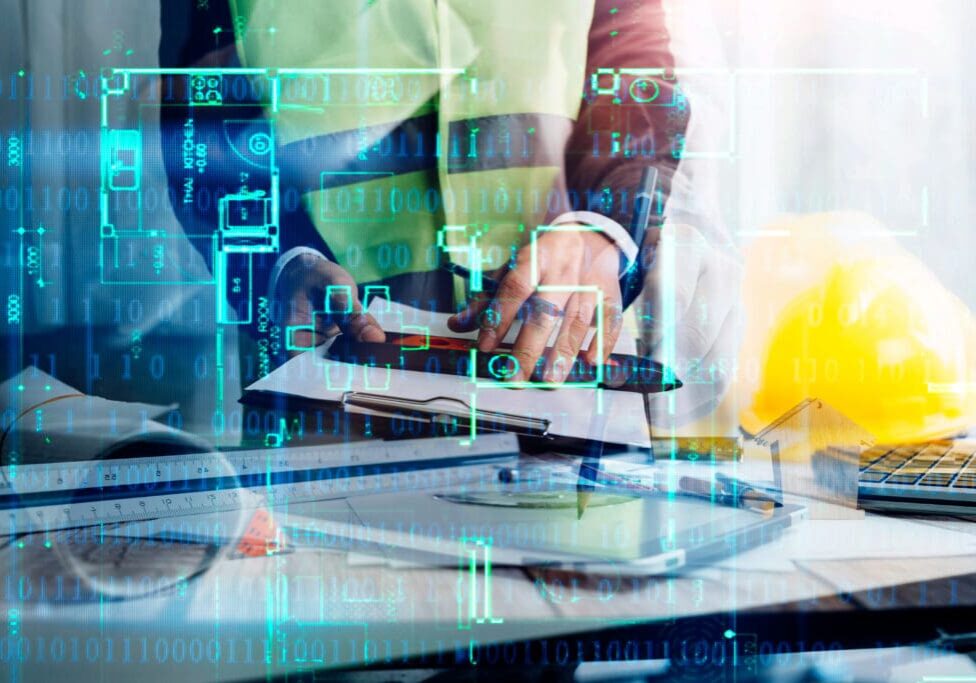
x=347 y=311
x=469 y=318
x=363 y=327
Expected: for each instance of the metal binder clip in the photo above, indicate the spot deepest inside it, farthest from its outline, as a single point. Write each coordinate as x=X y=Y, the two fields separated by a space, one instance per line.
x=445 y=410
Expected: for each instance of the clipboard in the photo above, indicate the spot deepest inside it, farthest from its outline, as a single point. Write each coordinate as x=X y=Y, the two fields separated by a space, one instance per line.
x=317 y=383
x=455 y=356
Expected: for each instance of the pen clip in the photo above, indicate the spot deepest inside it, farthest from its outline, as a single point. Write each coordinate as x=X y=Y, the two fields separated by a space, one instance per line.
x=736 y=491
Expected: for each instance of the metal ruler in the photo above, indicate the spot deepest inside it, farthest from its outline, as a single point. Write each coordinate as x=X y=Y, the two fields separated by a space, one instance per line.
x=73 y=494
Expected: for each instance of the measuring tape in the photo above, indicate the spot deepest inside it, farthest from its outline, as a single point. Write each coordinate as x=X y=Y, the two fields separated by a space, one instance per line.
x=73 y=494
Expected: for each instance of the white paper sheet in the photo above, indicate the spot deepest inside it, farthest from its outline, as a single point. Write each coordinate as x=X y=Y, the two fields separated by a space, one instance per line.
x=572 y=412
x=80 y=427
x=874 y=537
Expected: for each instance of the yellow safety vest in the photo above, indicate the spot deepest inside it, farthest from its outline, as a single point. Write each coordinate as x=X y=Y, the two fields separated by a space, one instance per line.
x=453 y=113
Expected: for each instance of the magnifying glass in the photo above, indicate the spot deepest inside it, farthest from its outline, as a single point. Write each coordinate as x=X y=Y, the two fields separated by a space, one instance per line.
x=127 y=560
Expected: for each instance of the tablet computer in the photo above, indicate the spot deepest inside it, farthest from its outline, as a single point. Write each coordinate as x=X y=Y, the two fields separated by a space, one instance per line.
x=622 y=533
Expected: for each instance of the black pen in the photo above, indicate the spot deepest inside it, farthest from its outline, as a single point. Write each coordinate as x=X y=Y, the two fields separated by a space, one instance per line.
x=643 y=203
x=490 y=286
x=641 y=218
x=742 y=494
x=725 y=490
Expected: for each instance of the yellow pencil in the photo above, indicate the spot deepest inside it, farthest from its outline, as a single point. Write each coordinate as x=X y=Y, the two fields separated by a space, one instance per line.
x=588 y=473
x=582 y=500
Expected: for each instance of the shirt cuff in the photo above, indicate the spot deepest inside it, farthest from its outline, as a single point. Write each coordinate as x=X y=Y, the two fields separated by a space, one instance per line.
x=283 y=261
x=609 y=227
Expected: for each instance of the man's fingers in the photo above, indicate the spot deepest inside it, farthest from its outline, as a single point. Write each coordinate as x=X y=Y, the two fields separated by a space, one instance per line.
x=364 y=327
x=576 y=323
x=714 y=297
x=669 y=287
x=720 y=283
x=320 y=300
x=706 y=380
x=344 y=309
x=306 y=336
x=499 y=315
x=612 y=323
x=537 y=327
x=341 y=302
x=700 y=306
x=352 y=318
x=298 y=314
x=470 y=318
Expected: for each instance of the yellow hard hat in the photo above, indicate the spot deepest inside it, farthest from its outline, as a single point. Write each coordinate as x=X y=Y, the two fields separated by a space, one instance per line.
x=859 y=323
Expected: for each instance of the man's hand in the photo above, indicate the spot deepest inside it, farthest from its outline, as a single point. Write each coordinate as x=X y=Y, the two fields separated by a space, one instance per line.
x=690 y=293
x=567 y=258
x=302 y=288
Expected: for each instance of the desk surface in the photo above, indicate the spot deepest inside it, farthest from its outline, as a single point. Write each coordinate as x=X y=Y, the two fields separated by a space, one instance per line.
x=312 y=609
x=308 y=609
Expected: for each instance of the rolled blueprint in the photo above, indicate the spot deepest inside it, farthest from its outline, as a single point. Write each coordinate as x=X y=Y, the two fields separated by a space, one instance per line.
x=47 y=421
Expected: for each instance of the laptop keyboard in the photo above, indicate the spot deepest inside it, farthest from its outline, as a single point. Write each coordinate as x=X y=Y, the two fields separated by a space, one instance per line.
x=939 y=464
